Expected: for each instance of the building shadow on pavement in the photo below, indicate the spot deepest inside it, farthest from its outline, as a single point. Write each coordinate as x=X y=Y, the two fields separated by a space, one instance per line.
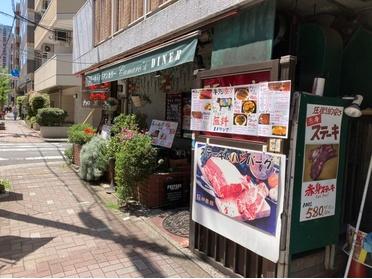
x=11 y=196
x=14 y=248
x=129 y=242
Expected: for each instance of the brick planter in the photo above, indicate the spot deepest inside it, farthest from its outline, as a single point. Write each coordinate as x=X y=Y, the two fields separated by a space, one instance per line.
x=76 y=148
x=152 y=193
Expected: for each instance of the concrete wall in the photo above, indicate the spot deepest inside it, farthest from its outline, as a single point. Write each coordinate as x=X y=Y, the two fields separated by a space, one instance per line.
x=177 y=16
x=81 y=113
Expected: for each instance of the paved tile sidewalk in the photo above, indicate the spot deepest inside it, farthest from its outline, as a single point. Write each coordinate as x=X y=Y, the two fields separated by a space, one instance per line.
x=51 y=225
x=15 y=131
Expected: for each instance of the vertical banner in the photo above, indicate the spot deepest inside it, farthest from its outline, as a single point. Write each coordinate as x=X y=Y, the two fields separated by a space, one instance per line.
x=238 y=193
x=321 y=159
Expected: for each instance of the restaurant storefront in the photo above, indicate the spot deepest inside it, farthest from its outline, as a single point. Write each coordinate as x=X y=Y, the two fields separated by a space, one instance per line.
x=261 y=154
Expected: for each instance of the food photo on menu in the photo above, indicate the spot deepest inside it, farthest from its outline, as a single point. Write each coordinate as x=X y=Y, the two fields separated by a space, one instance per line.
x=260 y=109
x=321 y=162
x=240 y=184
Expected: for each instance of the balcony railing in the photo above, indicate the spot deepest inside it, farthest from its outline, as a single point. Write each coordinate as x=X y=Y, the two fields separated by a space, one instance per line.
x=124 y=13
x=56 y=72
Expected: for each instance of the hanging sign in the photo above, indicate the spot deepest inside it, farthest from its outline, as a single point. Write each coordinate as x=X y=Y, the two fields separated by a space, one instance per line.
x=321 y=159
x=94 y=96
x=238 y=193
x=260 y=109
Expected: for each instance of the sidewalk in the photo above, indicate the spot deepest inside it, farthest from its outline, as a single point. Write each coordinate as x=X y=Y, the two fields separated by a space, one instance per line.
x=52 y=225
x=17 y=132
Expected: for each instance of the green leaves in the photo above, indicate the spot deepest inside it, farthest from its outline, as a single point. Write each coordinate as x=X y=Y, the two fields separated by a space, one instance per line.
x=80 y=133
x=4 y=86
x=135 y=161
x=93 y=159
x=50 y=116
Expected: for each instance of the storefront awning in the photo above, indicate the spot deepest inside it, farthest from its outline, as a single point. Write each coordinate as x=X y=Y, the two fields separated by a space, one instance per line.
x=160 y=59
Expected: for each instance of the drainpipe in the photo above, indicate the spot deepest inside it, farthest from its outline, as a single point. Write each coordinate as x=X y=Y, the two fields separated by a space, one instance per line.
x=60 y=97
x=126 y=97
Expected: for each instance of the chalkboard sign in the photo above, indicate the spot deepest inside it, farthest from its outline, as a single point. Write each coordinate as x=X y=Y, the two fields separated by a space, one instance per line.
x=174 y=193
x=174 y=110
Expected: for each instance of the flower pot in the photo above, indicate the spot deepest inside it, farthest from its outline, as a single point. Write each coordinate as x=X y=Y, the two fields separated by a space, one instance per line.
x=36 y=127
x=76 y=148
x=110 y=173
x=153 y=192
x=53 y=131
x=357 y=270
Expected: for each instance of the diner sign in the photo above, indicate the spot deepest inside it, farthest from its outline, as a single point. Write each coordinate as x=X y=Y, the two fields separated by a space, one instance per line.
x=164 y=58
x=260 y=109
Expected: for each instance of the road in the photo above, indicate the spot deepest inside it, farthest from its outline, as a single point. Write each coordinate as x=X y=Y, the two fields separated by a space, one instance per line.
x=25 y=153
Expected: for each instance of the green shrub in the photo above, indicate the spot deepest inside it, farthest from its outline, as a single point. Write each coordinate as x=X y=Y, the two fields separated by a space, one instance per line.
x=50 y=116
x=93 y=159
x=123 y=121
x=37 y=102
x=20 y=99
x=33 y=120
x=24 y=107
x=4 y=185
x=80 y=133
x=134 y=162
x=68 y=155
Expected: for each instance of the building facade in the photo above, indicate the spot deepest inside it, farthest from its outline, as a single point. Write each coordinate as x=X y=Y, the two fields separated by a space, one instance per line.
x=53 y=45
x=28 y=60
x=15 y=55
x=5 y=43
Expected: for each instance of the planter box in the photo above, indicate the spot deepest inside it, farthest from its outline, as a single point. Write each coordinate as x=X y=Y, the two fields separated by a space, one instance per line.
x=76 y=148
x=164 y=190
x=36 y=127
x=53 y=132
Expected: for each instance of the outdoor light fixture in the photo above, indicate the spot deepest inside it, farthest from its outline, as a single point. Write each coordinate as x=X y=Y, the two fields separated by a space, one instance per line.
x=354 y=109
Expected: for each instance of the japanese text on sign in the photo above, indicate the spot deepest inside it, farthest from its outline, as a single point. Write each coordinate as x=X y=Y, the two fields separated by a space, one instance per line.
x=319 y=181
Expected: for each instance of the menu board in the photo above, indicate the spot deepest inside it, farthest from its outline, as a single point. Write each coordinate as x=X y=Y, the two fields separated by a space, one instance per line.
x=174 y=110
x=260 y=109
x=163 y=132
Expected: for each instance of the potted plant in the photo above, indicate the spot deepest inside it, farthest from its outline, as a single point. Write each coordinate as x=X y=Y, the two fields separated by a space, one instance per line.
x=120 y=123
x=78 y=135
x=134 y=162
x=93 y=159
x=51 y=122
x=4 y=186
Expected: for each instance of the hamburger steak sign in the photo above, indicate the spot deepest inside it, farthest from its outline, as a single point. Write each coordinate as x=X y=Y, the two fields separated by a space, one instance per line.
x=238 y=193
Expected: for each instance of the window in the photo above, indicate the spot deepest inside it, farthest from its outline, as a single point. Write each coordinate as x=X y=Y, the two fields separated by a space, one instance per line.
x=123 y=15
x=102 y=20
x=60 y=35
x=125 y=12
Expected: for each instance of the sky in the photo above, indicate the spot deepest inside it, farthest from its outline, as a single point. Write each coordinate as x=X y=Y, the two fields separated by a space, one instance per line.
x=6 y=6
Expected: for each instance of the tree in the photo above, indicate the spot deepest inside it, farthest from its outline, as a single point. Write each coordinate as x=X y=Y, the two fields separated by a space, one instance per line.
x=4 y=87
